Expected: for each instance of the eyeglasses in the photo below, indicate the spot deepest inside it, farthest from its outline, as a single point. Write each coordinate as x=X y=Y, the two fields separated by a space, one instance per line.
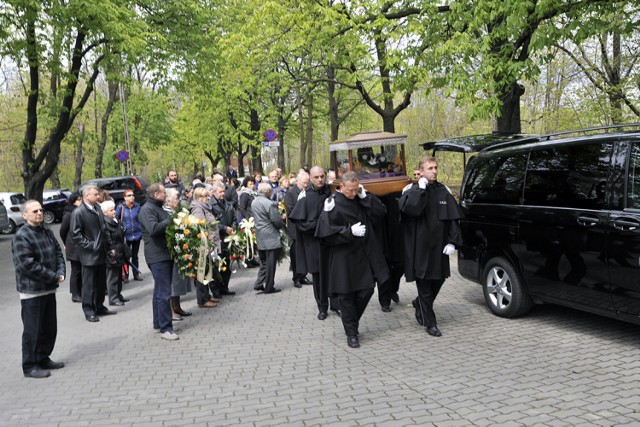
x=128 y=195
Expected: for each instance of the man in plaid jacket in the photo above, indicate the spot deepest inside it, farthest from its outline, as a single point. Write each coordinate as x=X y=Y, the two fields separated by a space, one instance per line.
x=40 y=268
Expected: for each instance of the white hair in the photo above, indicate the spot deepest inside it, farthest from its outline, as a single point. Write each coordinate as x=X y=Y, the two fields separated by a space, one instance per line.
x=106 y=205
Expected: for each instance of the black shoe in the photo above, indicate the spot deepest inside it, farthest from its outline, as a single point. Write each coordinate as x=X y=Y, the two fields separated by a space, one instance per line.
x=352 y=341
x=272 y=291
x=386 y=309
x=123 y=299
x=76 y=298
x=415 y=305
x=227 y=292
x=92 y=318
x=336 y=311
x=434 y=331
x=37 y=373
x=297 y=284
x=395 y=298
x=50 y=364
x=183 y=313
x=116 y=302
x=258 y=288
x=322 y=315
x=305 y=281
x=104 y=311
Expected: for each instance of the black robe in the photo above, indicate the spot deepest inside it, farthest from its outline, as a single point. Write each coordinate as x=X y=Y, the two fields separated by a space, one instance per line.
x=305 y=215
x=354 y=263
x=430 y=221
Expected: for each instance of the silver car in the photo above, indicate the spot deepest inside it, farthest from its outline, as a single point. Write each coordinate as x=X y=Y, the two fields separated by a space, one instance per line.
x=12 y=202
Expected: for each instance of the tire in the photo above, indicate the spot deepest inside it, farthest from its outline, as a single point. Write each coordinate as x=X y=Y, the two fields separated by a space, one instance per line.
x=49 y=217
x=12 y=228
x=503 y=290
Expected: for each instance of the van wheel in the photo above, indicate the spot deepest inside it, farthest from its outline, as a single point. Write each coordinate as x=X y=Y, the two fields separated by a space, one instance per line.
x=503 y=290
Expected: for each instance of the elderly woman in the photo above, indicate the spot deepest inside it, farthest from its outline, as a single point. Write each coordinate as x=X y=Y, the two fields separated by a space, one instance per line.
x=200 y=209
x=119 y=249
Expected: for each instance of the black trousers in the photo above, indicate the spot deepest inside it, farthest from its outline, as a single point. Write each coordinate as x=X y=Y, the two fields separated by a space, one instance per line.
x=267 y=271
x=391 y=287
x=75 y=279
x=220 y=286
x=352 y=306
x=202 y=291
x=292 y=260
x=134 y=245
x=321 y=294
x=94 y=286
x=40 y=324
x=114 y=282
x=427 y=293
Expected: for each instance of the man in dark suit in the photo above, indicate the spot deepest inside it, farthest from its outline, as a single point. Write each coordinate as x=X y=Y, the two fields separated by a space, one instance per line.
x=88 y=231
x=309 y=253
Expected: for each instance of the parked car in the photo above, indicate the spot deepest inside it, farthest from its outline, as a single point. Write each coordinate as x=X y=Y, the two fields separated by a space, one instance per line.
x=555 y=219
x=117 y=184
x=13 y=201
x=4 y=218
x=53 y=202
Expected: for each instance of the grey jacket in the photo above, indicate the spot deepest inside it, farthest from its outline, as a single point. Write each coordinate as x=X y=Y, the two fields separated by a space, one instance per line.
x=268 y=221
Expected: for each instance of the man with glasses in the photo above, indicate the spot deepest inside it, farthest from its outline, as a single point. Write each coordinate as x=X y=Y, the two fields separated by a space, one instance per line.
x=40 y=268
x=309 y=257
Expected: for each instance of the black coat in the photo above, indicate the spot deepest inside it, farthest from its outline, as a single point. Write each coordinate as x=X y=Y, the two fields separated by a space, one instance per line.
x=154 y=221
x=354 y=263
x=118 y=243
x=89 y=232
x=290 y=199
x=305 y=216
x=71 y=247
x=430 y=221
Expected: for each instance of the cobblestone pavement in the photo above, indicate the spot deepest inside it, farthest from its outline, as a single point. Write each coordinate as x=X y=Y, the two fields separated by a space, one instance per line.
x=266 y=360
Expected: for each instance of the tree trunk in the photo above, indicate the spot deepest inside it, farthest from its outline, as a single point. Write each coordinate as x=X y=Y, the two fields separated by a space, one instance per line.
x=334 y=120
x=79 y=157
x=303 y=141
x=508 y=121
x=113 y=91
x=615 y=95
x=309 y=132
x=281 y=127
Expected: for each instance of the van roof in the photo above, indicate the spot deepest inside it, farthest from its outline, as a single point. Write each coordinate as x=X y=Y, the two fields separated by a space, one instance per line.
x=486 y=142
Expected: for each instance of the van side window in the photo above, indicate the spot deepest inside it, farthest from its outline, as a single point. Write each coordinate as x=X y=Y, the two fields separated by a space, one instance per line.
x=497 y=180
x=572 y=176
x=633 y=184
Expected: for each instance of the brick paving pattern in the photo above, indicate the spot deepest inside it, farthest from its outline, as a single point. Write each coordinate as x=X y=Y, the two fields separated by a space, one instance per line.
x=265 y=360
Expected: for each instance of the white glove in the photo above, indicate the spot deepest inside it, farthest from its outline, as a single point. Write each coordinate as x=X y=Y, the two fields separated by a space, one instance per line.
x=329 y=204
x=361 y=193
x=449 y=249
x=422 y=183
x=302 y=195
x=358 y=229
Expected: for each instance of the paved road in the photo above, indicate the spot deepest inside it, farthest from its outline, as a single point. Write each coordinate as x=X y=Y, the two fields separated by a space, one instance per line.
x=265 y=360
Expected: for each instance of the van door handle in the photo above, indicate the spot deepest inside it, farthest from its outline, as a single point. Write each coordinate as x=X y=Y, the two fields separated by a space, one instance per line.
x=626 y=224
x=587 y=221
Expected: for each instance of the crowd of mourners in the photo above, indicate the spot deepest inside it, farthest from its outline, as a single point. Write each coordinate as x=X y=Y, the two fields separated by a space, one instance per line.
x=343 y=243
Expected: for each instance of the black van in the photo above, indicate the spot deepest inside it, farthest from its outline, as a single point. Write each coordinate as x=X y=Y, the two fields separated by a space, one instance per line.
x=554 y=219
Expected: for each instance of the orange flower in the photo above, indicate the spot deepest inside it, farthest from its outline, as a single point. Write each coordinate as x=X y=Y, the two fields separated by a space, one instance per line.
x=187 y=256
x=199 y=235
x=187 y=231
x=224 y=268
x=185 y=246
x=190 y=265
